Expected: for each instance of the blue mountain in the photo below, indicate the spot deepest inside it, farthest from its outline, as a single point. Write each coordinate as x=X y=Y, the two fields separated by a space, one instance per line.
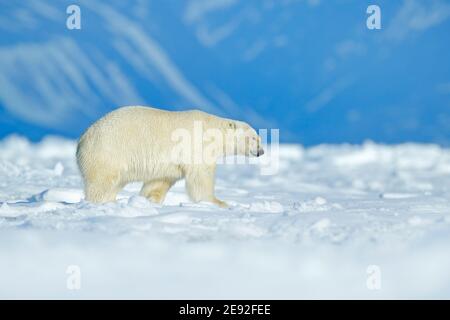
x=311 y=68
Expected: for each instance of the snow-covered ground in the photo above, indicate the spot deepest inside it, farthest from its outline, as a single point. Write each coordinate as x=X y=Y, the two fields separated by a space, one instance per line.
x=336 y=221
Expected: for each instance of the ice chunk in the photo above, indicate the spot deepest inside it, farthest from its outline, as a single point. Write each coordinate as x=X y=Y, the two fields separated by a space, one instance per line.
x=267 y=206
x=58 y=169
x=60 y=195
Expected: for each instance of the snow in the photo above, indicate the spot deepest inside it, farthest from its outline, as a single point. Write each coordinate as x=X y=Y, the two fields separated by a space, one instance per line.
x=330 y=220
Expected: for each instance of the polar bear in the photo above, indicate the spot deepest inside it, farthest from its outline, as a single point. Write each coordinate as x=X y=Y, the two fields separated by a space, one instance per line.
x=159 y=147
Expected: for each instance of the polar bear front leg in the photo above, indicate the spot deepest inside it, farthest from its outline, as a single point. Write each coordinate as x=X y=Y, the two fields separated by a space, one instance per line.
x=156 y=190
x=200 y=185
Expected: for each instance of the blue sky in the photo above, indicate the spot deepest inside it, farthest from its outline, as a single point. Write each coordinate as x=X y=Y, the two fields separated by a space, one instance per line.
x=310 y=68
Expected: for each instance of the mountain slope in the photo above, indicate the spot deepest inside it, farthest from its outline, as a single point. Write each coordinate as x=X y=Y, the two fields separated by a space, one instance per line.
x=310 y=68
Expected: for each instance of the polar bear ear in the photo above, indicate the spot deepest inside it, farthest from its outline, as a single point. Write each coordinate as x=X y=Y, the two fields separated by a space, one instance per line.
x=231 y=125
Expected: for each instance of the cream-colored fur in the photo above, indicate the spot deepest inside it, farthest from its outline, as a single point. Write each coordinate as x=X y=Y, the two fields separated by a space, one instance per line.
x=133 y=144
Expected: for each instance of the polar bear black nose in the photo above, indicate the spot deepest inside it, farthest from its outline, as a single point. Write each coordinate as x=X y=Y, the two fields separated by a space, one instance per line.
x=260 y=152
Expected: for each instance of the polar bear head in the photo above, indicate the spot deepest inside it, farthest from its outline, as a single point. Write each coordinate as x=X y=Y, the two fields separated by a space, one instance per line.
x=242 y=139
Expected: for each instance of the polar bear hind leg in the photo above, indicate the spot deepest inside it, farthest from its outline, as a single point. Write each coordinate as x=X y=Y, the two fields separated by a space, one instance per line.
x=103 y=188
x=156 y=190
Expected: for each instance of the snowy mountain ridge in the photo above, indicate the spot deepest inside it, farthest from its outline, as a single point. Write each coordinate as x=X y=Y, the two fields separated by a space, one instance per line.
x=292 y=65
